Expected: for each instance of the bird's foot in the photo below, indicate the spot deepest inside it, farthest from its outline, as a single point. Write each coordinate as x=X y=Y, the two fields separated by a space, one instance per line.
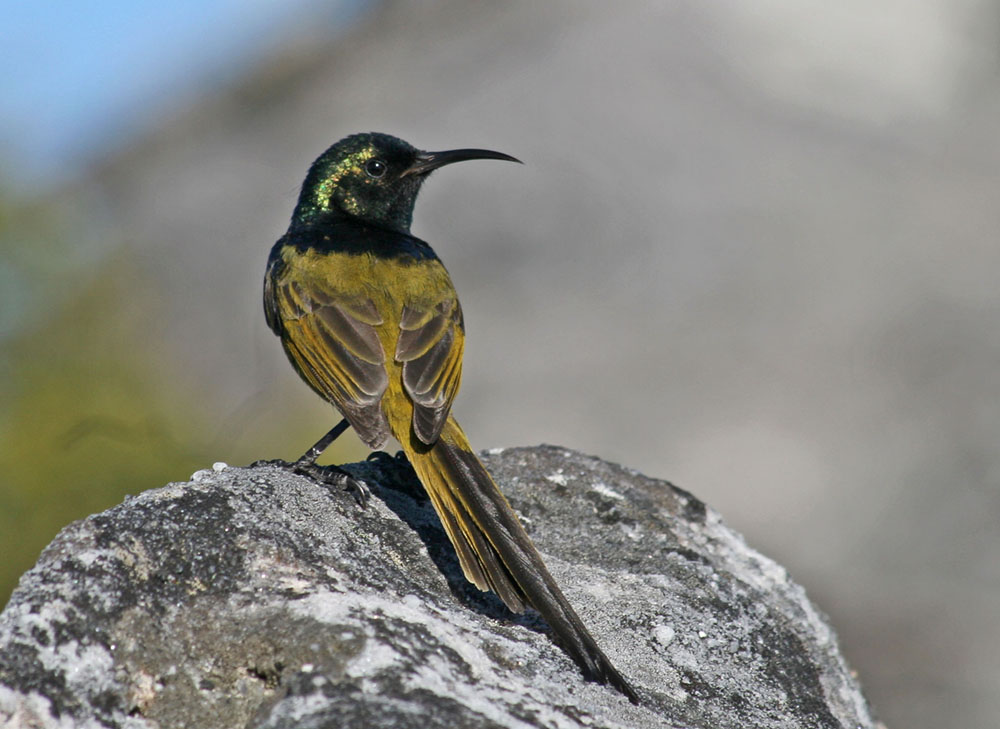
x=396 y=467
x=331 y=475
x=384 y=459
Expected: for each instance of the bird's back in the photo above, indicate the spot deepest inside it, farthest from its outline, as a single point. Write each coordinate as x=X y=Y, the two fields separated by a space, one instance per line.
x=370 y=319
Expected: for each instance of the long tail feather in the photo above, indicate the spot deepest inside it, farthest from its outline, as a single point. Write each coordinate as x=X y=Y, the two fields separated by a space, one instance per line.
x=494 y=550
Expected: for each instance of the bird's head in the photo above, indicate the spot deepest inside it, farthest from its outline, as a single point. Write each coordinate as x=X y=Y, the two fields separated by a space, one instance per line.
x=374 y=178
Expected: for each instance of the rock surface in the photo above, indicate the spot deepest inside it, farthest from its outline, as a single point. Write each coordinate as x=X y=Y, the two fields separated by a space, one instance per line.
x=250 y=597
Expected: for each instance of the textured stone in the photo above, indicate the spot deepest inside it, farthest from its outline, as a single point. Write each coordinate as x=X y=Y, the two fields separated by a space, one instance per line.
x=249 y=597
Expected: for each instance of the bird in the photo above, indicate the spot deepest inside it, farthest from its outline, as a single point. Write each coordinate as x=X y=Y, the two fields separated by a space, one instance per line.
x=369 y=318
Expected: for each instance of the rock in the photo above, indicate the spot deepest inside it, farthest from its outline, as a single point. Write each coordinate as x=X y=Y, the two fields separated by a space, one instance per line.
x=250 y=597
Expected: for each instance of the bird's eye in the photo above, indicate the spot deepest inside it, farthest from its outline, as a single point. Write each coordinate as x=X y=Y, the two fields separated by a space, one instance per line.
x=375 y=168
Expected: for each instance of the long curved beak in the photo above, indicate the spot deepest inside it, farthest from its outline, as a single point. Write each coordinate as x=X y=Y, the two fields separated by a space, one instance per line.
x=428 y=161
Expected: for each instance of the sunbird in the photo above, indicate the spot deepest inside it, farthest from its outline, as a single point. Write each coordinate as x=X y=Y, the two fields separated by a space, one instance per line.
x=370 y=319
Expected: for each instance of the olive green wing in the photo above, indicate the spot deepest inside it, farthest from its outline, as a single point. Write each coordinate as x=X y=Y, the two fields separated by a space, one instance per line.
x=332 y=341
x=430 y=345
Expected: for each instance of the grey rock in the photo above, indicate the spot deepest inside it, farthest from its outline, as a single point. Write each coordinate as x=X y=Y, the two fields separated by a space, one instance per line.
x=250 y=597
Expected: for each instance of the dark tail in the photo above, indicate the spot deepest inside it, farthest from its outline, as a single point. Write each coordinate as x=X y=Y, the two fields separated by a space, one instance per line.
x=494 y=550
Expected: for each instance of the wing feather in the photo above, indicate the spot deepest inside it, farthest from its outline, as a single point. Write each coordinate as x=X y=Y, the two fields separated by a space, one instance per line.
x=334 y=344
x=430 y=347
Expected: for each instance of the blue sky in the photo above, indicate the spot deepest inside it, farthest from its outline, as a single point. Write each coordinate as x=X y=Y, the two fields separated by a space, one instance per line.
x=76 y=77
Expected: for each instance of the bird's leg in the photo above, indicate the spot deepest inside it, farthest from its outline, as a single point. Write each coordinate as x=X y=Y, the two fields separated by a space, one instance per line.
x=333 y=475
x=309 y=457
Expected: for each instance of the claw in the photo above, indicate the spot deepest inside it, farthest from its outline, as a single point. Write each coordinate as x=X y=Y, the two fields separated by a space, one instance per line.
x=331 y=475
x=335 y=476
x=359 y=490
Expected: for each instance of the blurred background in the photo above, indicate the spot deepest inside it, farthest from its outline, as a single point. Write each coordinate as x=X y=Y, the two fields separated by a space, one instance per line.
x=755 y=251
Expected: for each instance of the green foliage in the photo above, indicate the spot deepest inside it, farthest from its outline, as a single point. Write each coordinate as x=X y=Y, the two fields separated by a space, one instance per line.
x=85 y=421
x=86 y=413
